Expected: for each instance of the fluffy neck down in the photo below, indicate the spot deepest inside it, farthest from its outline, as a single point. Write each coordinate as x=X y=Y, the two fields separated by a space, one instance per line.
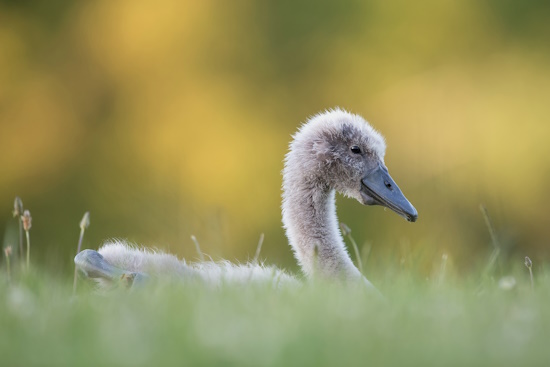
x=309 y=217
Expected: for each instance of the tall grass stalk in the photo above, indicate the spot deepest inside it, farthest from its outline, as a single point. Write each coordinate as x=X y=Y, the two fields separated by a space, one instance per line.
x=365 y=252
x=7 y=253
x=27 y=224
x=84 y=223
x=197 y=247
x=494 y=240
x=258 y=249
x=529 y=265
x=17 y=213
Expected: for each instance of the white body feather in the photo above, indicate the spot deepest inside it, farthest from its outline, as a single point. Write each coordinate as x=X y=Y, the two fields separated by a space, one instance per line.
x=212 y=273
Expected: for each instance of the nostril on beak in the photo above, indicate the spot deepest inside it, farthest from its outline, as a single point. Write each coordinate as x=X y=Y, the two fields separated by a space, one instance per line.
x=388 y=185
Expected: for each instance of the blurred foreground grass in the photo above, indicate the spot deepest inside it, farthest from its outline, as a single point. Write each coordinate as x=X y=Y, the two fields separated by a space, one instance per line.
x=444 y=321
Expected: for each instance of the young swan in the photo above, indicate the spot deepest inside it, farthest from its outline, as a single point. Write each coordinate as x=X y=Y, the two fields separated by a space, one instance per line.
x=333 y=151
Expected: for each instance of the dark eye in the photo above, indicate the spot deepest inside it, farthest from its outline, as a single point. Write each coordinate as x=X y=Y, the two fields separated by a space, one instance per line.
x=355 y=149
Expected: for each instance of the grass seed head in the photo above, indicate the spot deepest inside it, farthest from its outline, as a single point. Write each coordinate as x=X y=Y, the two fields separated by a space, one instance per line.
x=85 y=222
x=345 y=229
x=27 y=220
x=17 y=207
x=7 y=251
x=528 y=262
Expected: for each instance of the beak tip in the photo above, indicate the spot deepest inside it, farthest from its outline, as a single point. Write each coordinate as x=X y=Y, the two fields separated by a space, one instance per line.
x=412 y=216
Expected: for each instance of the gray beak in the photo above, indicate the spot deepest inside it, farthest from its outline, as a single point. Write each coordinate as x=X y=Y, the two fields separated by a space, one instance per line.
x=378 y=188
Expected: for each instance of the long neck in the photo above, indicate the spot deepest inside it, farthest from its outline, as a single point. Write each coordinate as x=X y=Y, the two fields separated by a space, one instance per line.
x=309 y=217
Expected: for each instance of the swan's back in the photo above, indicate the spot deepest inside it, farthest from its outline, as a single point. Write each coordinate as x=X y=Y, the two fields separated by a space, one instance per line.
x=160 y=265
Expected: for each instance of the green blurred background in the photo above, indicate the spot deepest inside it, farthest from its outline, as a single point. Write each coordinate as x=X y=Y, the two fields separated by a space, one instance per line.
x=171 y=118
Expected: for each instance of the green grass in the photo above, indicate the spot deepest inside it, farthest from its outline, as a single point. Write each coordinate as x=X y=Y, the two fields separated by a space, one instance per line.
x=456 y=322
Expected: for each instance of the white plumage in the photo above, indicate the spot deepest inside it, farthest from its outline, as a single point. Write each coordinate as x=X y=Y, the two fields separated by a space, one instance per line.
x=132 y=259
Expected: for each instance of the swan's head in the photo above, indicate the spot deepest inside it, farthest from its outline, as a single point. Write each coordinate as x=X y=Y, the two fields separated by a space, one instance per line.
x=342 y=151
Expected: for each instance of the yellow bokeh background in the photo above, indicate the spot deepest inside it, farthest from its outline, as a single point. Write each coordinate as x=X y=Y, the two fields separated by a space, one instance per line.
x=171 y=118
